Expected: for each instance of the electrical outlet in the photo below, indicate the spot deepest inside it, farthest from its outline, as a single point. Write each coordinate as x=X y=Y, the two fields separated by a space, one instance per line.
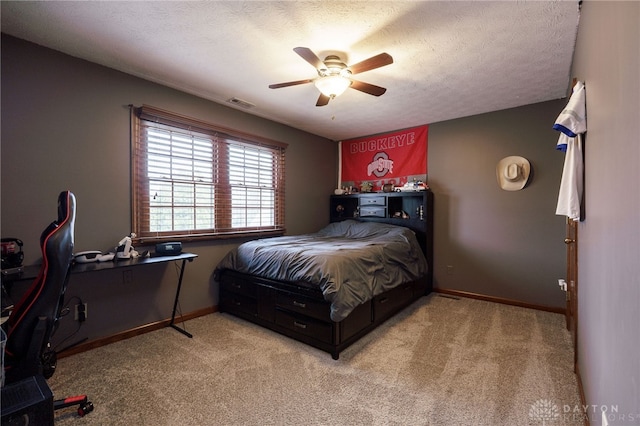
x=449 y=269
x=127 y=276
x=563 y=284
x=81 y=312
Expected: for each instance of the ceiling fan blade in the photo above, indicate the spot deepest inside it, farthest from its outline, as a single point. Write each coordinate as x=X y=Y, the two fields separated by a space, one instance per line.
x=371 y=89
x=323 y=100
x=310 y=57
x=289 y=83
x=371 y=63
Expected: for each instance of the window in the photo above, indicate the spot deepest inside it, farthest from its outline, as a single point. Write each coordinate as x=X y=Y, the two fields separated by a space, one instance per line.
x=192 y=179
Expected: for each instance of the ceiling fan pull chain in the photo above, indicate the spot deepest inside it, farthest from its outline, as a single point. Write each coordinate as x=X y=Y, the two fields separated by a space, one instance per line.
x=331 y=108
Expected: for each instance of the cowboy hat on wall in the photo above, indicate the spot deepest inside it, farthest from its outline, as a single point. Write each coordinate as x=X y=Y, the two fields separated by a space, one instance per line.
x=513 y=173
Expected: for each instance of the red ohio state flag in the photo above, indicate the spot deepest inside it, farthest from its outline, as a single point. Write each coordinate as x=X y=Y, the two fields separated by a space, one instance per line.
x=396 y=158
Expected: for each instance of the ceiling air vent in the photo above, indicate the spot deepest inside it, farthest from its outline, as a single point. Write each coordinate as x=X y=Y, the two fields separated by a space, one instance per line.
x=241 y=103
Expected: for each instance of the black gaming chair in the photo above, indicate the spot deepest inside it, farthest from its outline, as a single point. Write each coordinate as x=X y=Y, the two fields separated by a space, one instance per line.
x=35 y=316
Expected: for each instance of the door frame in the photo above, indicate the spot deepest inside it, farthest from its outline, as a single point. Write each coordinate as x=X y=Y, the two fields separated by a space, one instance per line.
x=571 y=313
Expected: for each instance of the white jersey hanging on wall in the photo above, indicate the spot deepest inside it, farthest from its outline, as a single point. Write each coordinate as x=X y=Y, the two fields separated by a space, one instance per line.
x=572 y=123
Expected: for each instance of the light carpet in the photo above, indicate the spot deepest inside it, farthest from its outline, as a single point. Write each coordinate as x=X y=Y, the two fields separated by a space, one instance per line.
x=442 y=361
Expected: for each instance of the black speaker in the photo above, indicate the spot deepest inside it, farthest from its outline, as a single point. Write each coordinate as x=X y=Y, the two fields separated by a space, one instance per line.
x=27 y=402
x=168 y=249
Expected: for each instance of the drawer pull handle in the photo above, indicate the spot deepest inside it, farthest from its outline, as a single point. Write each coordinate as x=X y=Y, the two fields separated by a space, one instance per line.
x=236 y=285
x=300 y=324
x=237 y=302
x=383 y=300
x=299 y=304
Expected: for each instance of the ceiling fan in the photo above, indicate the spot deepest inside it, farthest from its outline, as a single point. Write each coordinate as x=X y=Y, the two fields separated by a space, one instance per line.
x=334 y=77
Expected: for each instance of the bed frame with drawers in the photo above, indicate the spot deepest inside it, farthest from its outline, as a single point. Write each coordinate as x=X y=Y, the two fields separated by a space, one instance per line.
x=298 y=310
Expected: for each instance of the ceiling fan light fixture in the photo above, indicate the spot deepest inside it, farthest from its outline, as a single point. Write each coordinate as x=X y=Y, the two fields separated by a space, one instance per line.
x=332 y=85
x=334 y=76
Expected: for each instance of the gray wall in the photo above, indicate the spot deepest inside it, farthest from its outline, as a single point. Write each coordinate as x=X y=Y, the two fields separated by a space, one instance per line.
x=65 y=125
x=607 y=58
x=506 y=244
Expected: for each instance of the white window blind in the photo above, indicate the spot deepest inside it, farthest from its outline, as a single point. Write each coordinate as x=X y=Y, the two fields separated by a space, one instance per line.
x=192 y=179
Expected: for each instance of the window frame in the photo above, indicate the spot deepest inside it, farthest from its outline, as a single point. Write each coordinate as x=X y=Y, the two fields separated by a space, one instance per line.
x=145 y=117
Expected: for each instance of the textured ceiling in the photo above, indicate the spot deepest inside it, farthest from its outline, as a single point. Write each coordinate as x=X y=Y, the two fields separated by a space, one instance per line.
x=451 y=59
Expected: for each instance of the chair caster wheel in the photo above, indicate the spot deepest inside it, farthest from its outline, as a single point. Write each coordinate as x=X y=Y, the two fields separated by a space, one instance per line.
x=85 y=408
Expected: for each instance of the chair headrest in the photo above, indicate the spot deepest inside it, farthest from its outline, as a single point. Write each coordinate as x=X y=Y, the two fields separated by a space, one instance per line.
x=66 y=215
x=66 y=205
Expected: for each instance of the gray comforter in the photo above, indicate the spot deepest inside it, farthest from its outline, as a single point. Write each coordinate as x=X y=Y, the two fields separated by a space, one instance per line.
x=350 y=261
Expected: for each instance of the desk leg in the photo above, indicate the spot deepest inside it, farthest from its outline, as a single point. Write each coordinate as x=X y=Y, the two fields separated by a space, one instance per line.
x=175 y=302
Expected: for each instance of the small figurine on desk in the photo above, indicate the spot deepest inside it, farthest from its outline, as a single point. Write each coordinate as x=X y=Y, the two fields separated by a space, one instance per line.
x=366 y=187
x=124 y=250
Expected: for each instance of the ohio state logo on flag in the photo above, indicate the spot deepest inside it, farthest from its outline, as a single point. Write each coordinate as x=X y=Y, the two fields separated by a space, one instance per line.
x=392 y=158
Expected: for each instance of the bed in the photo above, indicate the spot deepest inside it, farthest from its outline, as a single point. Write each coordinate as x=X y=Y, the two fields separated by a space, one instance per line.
x=330 y=288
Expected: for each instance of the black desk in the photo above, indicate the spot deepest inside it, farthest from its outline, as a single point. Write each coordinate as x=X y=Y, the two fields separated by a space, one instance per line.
x=31 y=272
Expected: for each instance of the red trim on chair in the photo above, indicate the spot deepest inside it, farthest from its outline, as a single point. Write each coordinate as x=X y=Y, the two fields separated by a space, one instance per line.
x=75 y=399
